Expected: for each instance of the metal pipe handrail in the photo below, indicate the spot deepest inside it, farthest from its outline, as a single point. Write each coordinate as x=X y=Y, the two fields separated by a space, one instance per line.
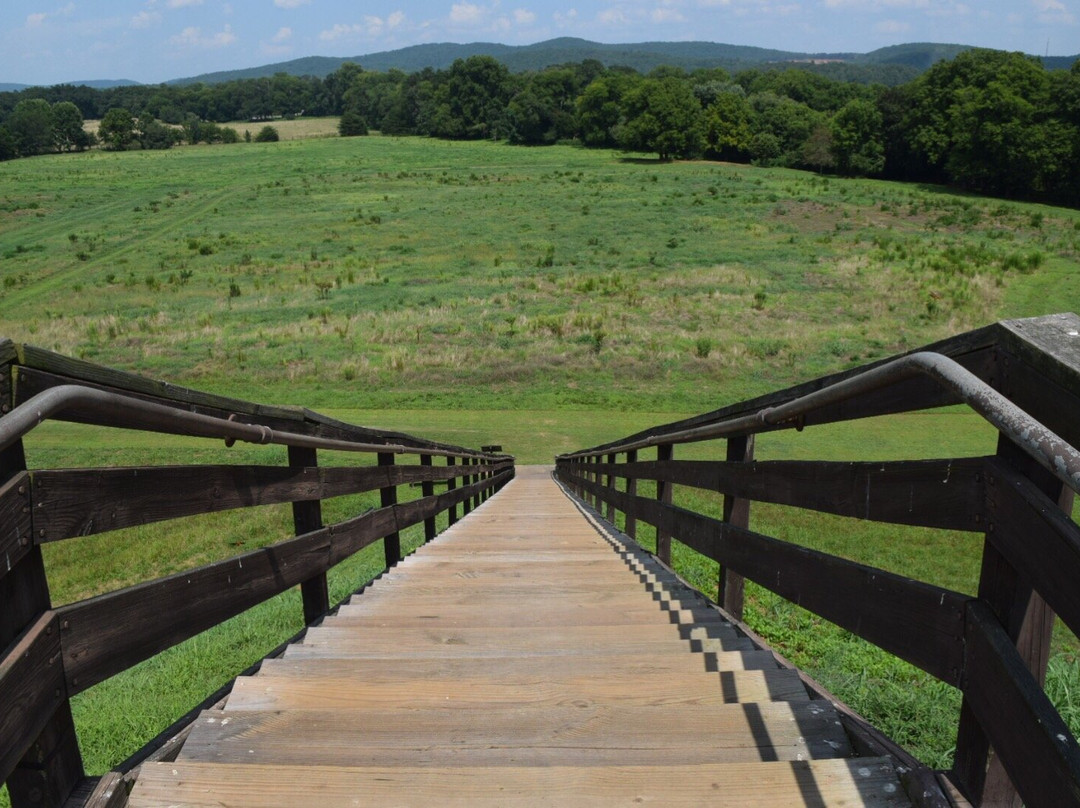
x=1050 y=450
x=150 y=415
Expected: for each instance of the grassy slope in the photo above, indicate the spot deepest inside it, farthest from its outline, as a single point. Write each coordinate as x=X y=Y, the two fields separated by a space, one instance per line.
x=539 y=298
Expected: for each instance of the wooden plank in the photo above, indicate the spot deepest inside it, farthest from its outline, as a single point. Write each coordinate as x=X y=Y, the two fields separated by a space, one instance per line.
x=483 y=693
x=388 y=499
x=630 y=524
x=427 y=489
x=99 y=640
x=15 y=525
x=731 y=585
x=744 y=785
x=81 y=502
x=929 y=493
x=307 y=518
x=1037 y=538
x=581 y=735
x=31 y=689
x=674 y=658
x=1033 y=742
x=920 y=623
x=663 y=496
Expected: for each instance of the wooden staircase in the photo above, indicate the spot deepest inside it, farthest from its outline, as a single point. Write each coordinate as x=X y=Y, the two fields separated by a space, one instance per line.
x=525 y=657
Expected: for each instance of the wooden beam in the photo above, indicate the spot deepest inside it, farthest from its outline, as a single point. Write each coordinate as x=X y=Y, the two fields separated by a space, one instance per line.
x=427 y=489
x=731 y=586
x=388 y=498
x=1029 y=736
x=15 y=525
x=663 y=496
x=307 y=518
x=928 y=493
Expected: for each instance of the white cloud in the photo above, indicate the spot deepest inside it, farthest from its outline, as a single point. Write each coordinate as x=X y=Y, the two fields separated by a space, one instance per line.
x=661 y=15
x=192 y=37
x=524 y=16
x=340 y=31
x=282 y=34
x=396 y=19
x=611 y=16
x=36 y=20
x=465 y=13
x=892 y=27
x=291 y=3
x=1052 y=12
x=184 y=3
x=144 y=19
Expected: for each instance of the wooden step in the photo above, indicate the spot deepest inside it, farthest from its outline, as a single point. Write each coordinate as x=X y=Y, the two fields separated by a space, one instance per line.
x=330 y=663
x=540 y=614
x=337 y=693
x=586 y=735
x=182 y=784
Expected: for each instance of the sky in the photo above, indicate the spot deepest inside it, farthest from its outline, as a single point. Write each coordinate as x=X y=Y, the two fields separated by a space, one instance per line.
x=151 y=41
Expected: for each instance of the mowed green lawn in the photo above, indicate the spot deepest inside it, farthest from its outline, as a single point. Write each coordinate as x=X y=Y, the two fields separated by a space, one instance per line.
x=542 y=299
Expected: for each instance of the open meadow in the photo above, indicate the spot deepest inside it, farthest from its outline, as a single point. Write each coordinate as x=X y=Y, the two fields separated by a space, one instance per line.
x=540 y=298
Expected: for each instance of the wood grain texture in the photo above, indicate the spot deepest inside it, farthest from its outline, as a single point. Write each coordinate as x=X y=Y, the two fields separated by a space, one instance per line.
x=931 y=493
x=580 y=735
x=31 y=689
x=748 y=785
x=15 y=536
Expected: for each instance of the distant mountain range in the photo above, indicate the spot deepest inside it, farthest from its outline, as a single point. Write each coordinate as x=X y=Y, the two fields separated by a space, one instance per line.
x=97 y=84
x=890 y=65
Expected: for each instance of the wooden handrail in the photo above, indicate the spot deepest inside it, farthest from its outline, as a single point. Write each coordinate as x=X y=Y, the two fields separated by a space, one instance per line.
x=1024 y=378
x=48 y=654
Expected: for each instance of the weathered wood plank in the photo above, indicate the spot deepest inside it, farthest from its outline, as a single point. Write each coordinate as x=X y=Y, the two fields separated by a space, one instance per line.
x=744 y=785
x=80 y=502
x=1027 y=733
x=15 y=538
x=1037 y=538
x=917 y=622
x=930 y=493
x=31 y=689
x=483 y=693
x=582 y=735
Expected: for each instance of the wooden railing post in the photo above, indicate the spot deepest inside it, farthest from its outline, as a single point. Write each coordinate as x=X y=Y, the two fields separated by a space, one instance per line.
x=52 y=766
x=427 y=489
x=610 y=509
x=451 y=484
x=466 y=480
x=388 y=497
x=736 y=513
x=1027 y=619
x=307 y=517
x=664 y=452
x=630 y=529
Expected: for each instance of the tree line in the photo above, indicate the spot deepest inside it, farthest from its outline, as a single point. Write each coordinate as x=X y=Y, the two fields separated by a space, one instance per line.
x=990 y=121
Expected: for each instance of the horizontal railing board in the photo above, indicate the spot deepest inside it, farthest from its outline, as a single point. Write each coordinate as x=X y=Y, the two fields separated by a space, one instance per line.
x=920 y=623
x=15 y=524
x=112 y=632
x=1032 y=740
x=1037 y=538
x=80 y=502
x=31 y=689
x=928 y=493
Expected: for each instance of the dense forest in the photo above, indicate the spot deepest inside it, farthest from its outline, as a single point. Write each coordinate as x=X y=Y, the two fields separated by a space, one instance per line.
x=989 y=121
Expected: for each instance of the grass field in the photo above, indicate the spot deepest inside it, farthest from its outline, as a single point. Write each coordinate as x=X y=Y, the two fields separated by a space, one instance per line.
x=543 y=299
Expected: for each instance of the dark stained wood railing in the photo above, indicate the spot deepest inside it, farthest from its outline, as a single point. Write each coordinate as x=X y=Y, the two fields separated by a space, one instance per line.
x=1024 y=376
x=49 y=653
